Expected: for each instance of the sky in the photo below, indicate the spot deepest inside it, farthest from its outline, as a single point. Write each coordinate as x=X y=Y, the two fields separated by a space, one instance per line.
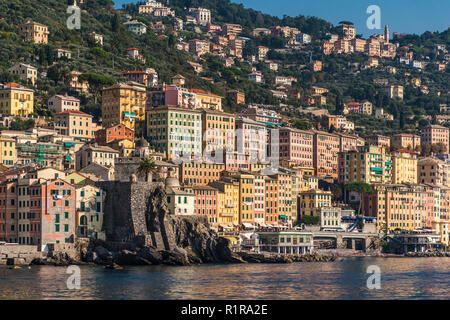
x=403 y=16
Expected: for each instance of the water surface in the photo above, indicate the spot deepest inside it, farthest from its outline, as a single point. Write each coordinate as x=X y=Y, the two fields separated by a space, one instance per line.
x=401 y=278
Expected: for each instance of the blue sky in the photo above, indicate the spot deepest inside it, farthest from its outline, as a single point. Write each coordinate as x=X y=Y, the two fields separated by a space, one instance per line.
x=403 y=16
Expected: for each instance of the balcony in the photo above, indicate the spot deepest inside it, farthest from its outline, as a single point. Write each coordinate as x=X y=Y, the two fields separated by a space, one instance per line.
x=226 y=214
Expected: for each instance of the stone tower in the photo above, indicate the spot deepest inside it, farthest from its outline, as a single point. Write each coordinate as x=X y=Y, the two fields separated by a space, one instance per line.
x=386 y=34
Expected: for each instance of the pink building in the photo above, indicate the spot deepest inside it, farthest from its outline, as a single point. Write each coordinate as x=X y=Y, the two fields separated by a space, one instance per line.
x=170 y=95
x=251 y=138
x=61 y=103
x=434 y=134
x=206 y=202
x=296 y=146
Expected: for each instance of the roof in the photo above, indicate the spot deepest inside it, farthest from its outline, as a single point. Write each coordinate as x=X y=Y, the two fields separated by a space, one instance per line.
x=102 y=148
x=74 y=112
x=204 y=92
x=65 y=97
x=13 y=85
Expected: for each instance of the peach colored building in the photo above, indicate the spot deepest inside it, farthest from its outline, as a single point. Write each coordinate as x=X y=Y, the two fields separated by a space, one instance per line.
x=206 y=203
x=326 y=149
x=296 y=146
x=60 y=103
x=405 y=141
x=75 y=124
x=200 y=174
x=434 y=134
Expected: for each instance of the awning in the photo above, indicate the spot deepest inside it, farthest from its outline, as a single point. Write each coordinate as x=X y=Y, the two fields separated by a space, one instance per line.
x=248 y=225
x=262 y=225
x=223 y=226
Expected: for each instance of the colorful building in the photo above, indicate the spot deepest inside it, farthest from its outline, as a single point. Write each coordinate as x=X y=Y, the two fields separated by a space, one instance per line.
x=175 y=131
x=124 y=103
x=369 y=164
x=404 y=166
x=16 y=100
x=75 y=124
x=8 y=152
x=33 y=31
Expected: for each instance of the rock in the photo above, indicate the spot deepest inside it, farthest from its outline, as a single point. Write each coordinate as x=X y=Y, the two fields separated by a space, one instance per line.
x=114 y=266
x=150 y=254
x=102 y=253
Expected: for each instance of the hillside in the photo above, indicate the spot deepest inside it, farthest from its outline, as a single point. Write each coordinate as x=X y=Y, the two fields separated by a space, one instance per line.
x=341 y=74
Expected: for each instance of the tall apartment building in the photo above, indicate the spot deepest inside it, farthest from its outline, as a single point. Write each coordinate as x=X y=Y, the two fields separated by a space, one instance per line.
x=175 y=131
x=406 y=141
x=200 y=174
x=75 y=124
x=206 y=203
x=326 y=149
x=228 y=202
x=296 y=147
x=16 y=100
x=251 y=139
x=369 y=164
x=434 y=134
x=433 y=171
x=38 y=211
x=404 y=166
x=218 y=129
x=311 y=202
x=124 y=103
x=402 y=207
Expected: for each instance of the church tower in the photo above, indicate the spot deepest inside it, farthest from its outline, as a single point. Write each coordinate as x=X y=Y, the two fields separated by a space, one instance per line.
x=386 y=34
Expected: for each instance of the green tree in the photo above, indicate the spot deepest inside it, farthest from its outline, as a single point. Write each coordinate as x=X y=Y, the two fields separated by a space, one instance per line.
x=96 y=83
x=147 y=167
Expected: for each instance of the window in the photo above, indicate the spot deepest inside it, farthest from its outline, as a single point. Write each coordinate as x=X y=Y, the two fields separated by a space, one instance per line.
x=66 y=228
x=57 y=227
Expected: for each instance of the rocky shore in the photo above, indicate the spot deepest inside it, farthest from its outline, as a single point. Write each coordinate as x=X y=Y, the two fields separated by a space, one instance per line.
x=433 y=254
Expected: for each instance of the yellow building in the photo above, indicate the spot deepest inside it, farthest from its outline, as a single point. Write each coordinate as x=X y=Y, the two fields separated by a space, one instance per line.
x=228 y=202
x=207 y=100
x=310 y=202
x=33 y=31
x=125 y=147
x=8 y=153
x=218 y=128
x=404 y=167
x=124 y=103
x=16 y=99
x=369 y=164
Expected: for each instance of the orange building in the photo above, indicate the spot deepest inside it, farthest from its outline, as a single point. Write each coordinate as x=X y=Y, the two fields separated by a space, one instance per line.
x=200 y=174
x=326 y=149
x=117 y=132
